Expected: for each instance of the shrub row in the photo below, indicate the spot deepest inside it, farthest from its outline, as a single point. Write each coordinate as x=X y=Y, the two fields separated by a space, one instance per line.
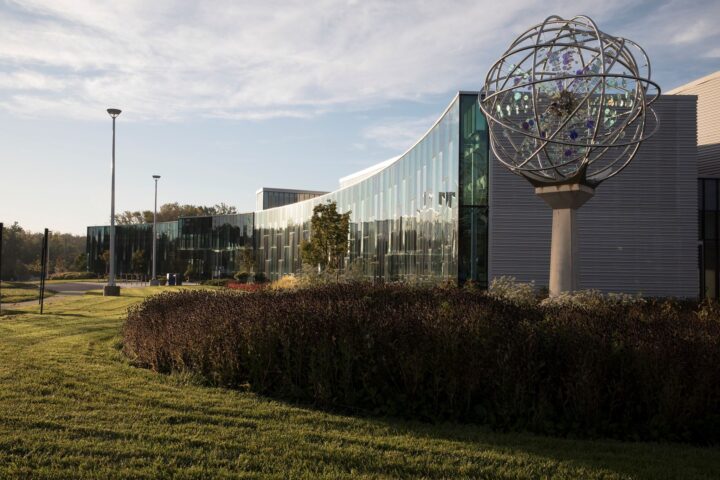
x=647 y=370
x=72 y=275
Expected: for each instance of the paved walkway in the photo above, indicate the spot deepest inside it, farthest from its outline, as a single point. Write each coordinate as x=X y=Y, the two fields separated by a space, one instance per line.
x=69 y=288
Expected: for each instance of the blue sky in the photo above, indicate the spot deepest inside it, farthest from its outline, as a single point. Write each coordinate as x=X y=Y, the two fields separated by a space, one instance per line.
x=224 y=97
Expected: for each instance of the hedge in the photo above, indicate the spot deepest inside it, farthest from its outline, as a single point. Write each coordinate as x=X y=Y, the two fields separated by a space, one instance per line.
x=646 y=370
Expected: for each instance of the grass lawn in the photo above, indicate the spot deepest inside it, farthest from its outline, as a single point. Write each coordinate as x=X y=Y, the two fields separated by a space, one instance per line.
x=21 y=291
x=72 y=407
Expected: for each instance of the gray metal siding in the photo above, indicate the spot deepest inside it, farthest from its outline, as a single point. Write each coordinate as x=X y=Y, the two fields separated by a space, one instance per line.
x=707 y=90
x=638 y=234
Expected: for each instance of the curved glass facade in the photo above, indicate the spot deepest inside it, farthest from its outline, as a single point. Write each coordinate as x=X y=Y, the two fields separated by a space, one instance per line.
x=422 y=218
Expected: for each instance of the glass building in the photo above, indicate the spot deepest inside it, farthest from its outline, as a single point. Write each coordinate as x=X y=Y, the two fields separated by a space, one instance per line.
x=421 y=217
x=441 y=212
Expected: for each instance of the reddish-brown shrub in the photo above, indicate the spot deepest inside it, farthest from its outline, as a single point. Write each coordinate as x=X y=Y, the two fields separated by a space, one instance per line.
x=630 y=371
x=245 y=287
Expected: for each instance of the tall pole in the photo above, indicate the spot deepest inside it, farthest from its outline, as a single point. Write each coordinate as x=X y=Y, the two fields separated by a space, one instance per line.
x=111 y=289
x=111 y=277
x=154 y=280
x=43 y=269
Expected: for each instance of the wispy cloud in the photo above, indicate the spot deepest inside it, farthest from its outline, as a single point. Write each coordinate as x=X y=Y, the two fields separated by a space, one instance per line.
x=398 y=134
x=166 y=60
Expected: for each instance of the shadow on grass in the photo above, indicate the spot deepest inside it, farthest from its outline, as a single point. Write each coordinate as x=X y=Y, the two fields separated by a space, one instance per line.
x=624 y=458
x=634 y=459
x=11 y=311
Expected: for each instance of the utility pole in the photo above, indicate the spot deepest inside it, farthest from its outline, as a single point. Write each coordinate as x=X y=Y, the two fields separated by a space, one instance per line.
x=153 y=280
x=112 y=290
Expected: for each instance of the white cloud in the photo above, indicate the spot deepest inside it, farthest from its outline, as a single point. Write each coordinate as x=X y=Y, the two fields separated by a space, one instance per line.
x=251 y=60
x=399 y=133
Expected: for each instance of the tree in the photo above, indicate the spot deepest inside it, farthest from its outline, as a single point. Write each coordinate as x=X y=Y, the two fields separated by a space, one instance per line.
x=21 y=251
x=80 y=263
x=138 y=261
x=328 y=238
x=105 y=257
x=59 y=265
x=247 y=256
x=170 y=212
x=223 y=209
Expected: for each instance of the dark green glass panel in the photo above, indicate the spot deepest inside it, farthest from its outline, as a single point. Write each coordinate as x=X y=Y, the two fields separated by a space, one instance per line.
x=473 y=258
x=473 y=153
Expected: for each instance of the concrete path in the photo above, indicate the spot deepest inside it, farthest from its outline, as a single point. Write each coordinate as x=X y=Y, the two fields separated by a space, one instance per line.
x=69 y=288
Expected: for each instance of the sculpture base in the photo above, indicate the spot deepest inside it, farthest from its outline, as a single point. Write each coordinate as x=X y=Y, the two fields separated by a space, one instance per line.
x=111 y=291
x=564 y=264
x=154 y=282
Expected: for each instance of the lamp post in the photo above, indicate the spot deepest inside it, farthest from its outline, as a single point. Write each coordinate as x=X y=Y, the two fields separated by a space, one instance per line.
x=153 y=280
x=112 y=290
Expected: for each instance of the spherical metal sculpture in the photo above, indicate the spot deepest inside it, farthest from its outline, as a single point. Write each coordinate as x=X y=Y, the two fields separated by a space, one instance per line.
x=569 y=104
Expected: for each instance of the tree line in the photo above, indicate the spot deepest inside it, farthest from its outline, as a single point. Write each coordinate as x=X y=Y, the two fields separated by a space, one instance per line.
x=21 y=252
x=172 y=211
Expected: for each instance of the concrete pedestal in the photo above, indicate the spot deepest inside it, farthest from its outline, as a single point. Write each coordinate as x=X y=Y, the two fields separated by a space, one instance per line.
x=111 y=291
x=154 y=282
x=564 y=264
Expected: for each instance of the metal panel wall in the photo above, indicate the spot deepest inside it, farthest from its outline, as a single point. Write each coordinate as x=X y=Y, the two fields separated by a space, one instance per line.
x=637 y=235
x=707 y=90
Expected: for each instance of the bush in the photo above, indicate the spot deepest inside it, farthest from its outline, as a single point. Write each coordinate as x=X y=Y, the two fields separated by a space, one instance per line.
x=73 y=276
x=590 y=299
x=242 y=277
x=216 y=282
x=246 y=287
x=510 y=290
x=627 y=370
x=286 y=282
x=260 y=277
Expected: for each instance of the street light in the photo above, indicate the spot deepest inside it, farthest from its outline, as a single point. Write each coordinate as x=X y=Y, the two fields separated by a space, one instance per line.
x=112 y=290
x=154 y=280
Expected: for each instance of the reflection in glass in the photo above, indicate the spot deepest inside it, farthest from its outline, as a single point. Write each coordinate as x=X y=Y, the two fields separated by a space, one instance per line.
x=422 y=217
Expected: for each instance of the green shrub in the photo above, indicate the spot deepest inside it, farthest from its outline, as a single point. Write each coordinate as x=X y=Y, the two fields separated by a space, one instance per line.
x=632 y=370
x=73 y=276
x=260 y=277
x=242 y=277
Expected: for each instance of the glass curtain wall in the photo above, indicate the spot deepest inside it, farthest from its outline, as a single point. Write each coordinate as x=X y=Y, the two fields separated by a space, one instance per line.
x=473 y=223
x=709 y=234
x=404 y=219
x=209 y=247
x=128 y=240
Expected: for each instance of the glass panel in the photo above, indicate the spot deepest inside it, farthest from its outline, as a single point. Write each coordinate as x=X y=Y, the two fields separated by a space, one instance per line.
x=474 y=153
x=710 y=269
x=711 y=194
x=710 y=225
x=473 y=245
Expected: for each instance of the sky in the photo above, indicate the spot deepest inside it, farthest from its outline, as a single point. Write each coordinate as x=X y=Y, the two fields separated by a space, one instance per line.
x=221 y=98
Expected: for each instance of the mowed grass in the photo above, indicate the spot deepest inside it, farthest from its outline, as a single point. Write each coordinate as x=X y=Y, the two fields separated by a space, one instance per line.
x=72 y=407
x=12 y=292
